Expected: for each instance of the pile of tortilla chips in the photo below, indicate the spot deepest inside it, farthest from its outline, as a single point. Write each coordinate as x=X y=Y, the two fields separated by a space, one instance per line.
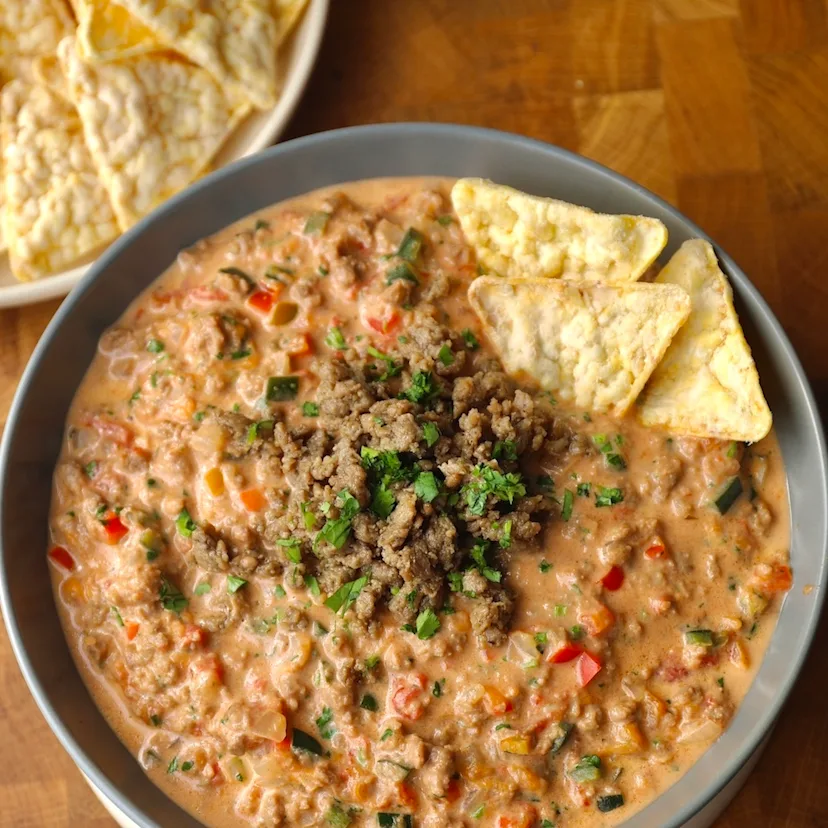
x=567 y=309
x=109 y=107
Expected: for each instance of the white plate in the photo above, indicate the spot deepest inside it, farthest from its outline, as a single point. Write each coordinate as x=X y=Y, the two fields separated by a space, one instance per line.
x=259 y=131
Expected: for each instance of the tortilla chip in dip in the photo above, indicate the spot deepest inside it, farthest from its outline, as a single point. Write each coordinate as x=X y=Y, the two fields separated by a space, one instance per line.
x=56 y=209
x=515 y=234
x=591 y=345
x=707 y=385
x=152 y=123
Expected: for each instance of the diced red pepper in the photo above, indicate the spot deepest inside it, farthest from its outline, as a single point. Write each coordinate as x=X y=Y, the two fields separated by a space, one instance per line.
x=263 y=300
x=614 y=579
x=384 y=326
x=118 y=433
x=114 y=529
x=564 y=654
x=779 y=579
x=62 y=557
x=253 y=500
x=586 y=668
x=407 y=795
x=131 y=630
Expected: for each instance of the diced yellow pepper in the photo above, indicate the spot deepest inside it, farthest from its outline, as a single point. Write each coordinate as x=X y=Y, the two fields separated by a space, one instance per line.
x=214 y=480
x=519 y=745
x=630 y=740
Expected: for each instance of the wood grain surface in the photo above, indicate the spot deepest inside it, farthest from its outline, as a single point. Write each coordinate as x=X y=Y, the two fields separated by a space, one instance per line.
x=719 y=106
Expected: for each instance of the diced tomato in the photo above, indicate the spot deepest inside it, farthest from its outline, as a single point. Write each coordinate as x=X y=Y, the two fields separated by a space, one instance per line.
x=407 y=795
x=286 y=742
x=384 y=326
x=262 y=300
x=586 y=668
x=597 y=621
x=253 y=500
x=407 y=695
x=614 y=579
x=114 y=529
x=496 y=703
x=780 y=579
x=671 y=668
x=62 y=557
x=567 y=652
x=656 y=549
x=131 y=629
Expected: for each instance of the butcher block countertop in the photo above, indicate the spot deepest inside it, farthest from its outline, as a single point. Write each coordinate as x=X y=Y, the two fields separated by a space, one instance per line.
x=718 y=106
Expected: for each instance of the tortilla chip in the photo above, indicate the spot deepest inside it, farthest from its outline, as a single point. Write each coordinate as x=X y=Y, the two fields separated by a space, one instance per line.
x=56 y=209
x=152 y=123
x=707 y=385
x=591 y=345
x=46 y=71
x=236 y=41
x=29 y=28
x=107 y=31
x=515 y=234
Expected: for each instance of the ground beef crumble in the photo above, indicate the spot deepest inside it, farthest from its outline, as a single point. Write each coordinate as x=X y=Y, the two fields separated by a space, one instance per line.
x=437 y=453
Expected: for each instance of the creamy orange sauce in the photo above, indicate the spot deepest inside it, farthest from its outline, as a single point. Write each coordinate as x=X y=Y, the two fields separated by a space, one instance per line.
x=207 y=674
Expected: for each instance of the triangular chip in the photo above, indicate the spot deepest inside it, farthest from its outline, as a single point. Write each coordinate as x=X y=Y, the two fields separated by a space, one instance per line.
x=515 y=234
x=236 y=41
x=592 y=346
x=107 y=31
x=29 y=28
x=152 y=124
x=56 y=209
x=707 y=385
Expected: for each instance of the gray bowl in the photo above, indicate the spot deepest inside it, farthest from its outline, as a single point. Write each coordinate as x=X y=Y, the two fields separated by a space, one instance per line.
x=33 y=434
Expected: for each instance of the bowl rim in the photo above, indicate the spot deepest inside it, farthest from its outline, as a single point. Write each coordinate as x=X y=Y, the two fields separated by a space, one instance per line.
x=310 y=30
x=760 y=727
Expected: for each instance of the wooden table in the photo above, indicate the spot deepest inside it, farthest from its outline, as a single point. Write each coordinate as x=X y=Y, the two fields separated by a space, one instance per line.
x=719 y=106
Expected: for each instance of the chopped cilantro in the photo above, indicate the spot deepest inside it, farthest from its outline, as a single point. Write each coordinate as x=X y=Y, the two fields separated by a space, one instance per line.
x=279 y=591
x=346 y=595
x=235 y=271
x=202 y=588
x=506 y=538
x=431 y=433
x=241 y=353
x=325 y=723
x=292 y=550
x=234 y=584
x=118 y=619
x=426 y=486
x=505 y=450
x=584 y=489
x=155 y=346
x=544 y=566
x=337 y=531
x=382 y=500
x=171 y=598
x=310 y=409
x=427 y=624
x=386 y=734
x=444 y=221
x=490 y=482
x=313 y=585
x=478 y=555
x=423 y=388
x=470 y=339
x=185 y=524
x=336 y=340
x=445 y=355
x=608 y=497
x=392 y=369
x=90 y=468
x=254 y=429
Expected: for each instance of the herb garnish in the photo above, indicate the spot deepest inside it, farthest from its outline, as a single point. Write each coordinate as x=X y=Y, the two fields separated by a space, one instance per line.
x=345 y=596
x=490 y=482
x=423 y=388
x=171 y=598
